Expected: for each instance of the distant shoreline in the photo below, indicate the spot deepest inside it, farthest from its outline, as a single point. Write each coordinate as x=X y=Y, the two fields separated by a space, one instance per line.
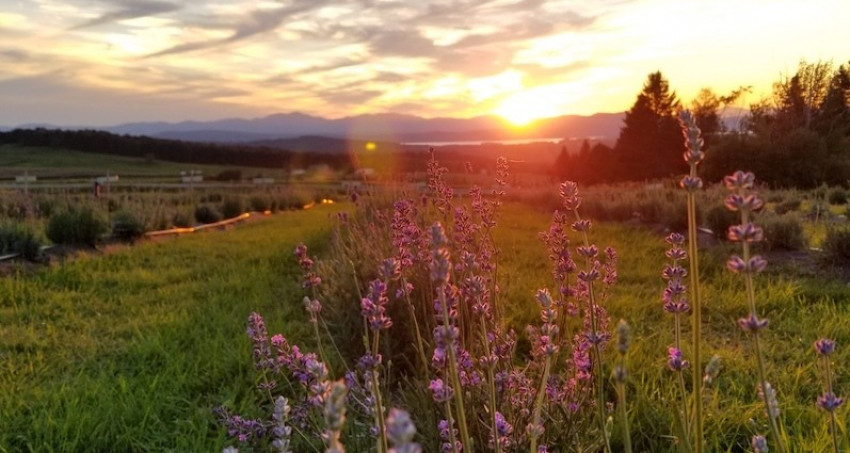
x=519 y=141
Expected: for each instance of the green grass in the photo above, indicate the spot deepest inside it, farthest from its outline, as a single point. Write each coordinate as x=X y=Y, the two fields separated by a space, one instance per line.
x=801 y=310
x=130 y=351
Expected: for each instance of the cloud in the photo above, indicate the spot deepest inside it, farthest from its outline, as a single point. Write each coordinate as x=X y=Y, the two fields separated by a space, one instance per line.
x=48 y=98
x=407 y=43
x=131 y=9
x=256 y=22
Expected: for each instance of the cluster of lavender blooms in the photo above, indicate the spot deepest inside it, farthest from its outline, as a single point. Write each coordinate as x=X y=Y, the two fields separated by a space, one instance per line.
x=486 y=398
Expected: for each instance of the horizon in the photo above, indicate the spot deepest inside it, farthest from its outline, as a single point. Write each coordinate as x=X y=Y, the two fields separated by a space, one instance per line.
x=71 y=64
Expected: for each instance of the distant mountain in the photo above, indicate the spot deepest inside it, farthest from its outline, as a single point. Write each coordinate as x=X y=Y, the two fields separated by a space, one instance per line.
x=378 y=127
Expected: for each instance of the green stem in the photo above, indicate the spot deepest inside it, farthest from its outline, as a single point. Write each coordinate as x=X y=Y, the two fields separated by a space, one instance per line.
x=453 y=374
x=751 y=300
x=833 y=424
x=621 y=396
x=685 y=416
x=491 y=382
x=693 y=254
x=451 y=421
x=379 y=408
x=420 y=348
x=597 y=353
x=538 y=404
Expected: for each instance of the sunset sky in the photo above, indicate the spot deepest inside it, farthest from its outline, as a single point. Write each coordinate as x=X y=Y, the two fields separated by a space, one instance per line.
x=104 y=62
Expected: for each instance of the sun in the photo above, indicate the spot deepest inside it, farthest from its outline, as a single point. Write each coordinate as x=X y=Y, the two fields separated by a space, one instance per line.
x=523 y=108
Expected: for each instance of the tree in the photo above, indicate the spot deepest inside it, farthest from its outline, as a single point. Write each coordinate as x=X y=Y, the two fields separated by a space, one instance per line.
x=650 y=143
x=562 y=165
x=708 y=108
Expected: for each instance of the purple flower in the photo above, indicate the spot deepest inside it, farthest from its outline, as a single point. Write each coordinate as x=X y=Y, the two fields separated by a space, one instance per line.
x=620 y=373
x=569 y=195
x=400 y=428
x=755 y=264
x=749 y=203
x=691 y=183
x=589 y=251
x=739 y=180
x=745 y=233
x=256 y=330
x=503 y=430
x=440 y=391
x=752 y=323
x=581 y=226
x=829 y=402
x=676 y=254
x=825 y=346
x=675 y=362
x=674 y=272
x=675 y=239
x=770 y=395
x=759 y=444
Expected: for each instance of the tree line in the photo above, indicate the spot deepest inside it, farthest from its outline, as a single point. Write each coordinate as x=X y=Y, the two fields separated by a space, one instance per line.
x=797 y=137
x=102 y=142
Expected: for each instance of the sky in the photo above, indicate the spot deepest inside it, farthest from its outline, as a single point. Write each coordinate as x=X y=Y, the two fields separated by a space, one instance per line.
x=106 y=62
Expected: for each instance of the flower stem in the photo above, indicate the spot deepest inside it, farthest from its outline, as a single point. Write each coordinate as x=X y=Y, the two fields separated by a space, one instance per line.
x=621 y=396
x=538 y=404
x=453 y=374
x=491 y=383
x=693 y=254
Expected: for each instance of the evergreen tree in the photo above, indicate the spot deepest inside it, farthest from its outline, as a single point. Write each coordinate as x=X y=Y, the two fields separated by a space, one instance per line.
x=650 y=143
x=562 y=165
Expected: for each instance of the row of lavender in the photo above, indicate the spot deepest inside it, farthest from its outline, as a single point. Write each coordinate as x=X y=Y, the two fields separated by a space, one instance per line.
x=433 y=325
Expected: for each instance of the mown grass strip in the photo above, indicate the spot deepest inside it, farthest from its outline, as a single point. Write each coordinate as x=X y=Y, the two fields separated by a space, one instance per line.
x=130 y=351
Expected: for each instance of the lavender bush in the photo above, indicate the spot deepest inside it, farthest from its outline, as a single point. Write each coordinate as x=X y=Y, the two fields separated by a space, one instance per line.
x=434 y=337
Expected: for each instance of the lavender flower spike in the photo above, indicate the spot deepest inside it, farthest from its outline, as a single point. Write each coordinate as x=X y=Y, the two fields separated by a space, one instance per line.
x=335 y=417
x=759 y=444
x=400 y=432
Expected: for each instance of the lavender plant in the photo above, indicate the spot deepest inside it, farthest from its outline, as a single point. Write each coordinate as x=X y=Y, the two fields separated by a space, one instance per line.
x=692 y=183
x=742 y=199
x=487 y=395
x=829 y=402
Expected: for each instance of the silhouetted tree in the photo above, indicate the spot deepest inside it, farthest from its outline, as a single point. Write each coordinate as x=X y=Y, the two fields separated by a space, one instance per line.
x=708 y=107
x=650 y=143
x=562 y=165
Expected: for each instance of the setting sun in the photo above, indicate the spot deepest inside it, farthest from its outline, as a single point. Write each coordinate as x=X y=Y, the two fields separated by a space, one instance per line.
x=527 y=106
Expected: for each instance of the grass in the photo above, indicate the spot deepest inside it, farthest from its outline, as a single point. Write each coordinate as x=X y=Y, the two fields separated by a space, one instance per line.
x=801 y=310
x=130 y=351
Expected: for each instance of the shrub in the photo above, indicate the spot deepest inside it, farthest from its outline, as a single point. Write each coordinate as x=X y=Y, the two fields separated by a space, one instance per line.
x=181 y=220
x=837 y=196
x=836 y=246
x=232 y=207
x=206 y=214
x=16 y=238
x=787 y=206
x=259 y=204
x=719 y=219
x=229 y=175
x=783 y=233
x=76 y=227
x=127 y=227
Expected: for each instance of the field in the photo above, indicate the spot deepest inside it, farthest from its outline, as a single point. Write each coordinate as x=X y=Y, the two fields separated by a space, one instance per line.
x=55 y=163
x=132 y=348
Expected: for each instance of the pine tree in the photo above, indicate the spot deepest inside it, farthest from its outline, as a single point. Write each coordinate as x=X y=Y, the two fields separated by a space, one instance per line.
x=650 y=143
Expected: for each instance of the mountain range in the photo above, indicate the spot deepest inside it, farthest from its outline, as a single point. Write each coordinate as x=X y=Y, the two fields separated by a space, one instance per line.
x=378 y=127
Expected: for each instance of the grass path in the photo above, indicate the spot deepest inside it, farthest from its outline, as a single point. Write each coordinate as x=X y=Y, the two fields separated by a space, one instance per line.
x=130 y=351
